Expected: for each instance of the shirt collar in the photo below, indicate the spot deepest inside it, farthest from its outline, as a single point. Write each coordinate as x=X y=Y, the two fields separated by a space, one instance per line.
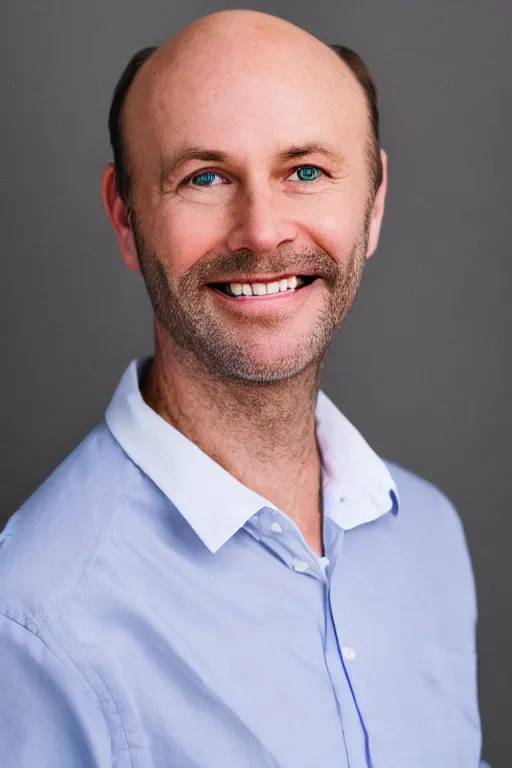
x=353 y=473
x=215 y=503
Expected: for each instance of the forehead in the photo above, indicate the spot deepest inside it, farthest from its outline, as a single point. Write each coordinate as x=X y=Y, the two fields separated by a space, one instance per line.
x=245 y=102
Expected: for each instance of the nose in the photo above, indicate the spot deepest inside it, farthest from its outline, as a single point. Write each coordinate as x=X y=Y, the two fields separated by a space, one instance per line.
x=260 y=221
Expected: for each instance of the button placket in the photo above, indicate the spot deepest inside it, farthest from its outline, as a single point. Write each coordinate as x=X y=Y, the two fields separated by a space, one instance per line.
x=285 y=539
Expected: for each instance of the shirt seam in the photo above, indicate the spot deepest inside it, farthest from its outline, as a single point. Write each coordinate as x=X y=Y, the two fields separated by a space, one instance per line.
x=89 y=567
x=22 y=619
x=111 y=697
x=85 y=683
x=14 y=609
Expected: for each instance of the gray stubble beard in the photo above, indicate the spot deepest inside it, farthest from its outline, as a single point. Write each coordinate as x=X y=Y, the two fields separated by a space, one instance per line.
x=195 y=330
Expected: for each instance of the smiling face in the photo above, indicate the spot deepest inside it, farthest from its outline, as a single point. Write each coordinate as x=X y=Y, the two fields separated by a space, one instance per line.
x=247 y=143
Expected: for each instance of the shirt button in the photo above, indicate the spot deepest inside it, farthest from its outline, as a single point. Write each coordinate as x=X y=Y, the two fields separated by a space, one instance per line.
x=348 y=653
x=276 y=528
x=299 y=565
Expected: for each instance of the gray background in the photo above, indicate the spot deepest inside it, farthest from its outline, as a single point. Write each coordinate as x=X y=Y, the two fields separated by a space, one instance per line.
x=423 y=365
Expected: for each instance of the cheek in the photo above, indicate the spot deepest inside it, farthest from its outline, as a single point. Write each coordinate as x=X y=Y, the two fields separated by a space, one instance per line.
x=182 y=233
x=336 y=226
x=185 y=235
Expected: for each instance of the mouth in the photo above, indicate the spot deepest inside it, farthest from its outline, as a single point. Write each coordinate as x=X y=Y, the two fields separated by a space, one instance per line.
x=242 y=288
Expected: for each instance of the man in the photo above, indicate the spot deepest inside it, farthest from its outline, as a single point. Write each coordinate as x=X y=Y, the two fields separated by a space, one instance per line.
x=224 y=574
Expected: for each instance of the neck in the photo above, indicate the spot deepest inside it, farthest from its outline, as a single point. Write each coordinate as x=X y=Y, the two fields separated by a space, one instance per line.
x=263 y=434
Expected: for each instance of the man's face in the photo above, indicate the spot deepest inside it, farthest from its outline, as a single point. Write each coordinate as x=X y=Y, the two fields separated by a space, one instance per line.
x=207 y=228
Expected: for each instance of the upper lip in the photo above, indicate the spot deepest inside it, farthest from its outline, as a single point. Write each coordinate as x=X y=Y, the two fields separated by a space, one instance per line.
x=262 y=278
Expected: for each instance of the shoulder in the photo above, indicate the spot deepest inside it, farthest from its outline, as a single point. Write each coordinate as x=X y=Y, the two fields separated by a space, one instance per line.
x=423 y=505
x=49 y=546
x=432 y=538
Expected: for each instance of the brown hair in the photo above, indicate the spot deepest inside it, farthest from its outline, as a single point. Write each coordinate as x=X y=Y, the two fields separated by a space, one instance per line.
x=123 y=179
x=354 y=62
x=363 y=76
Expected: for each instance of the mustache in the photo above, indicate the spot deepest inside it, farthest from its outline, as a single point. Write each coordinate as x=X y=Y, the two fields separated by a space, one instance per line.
x=211 y=268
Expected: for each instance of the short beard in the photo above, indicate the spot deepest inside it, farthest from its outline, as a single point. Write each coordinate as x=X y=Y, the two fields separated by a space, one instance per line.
x=194 y=326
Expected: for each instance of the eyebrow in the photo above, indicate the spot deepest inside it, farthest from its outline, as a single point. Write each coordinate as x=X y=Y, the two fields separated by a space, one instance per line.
x=171 y=164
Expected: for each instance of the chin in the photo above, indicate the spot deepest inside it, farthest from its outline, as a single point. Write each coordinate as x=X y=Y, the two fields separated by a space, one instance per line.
x=265 y=371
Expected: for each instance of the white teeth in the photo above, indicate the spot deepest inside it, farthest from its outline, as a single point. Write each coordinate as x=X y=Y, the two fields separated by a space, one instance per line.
x=261 y=289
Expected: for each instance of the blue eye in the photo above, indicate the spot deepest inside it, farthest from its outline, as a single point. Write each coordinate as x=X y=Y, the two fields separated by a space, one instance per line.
x=205 y=179
x=308 y=172
x=208 y=175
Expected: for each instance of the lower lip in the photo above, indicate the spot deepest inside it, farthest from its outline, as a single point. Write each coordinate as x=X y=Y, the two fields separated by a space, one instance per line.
x=269 y=300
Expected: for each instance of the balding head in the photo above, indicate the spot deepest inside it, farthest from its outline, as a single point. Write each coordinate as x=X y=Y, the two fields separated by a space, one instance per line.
x=208 y=53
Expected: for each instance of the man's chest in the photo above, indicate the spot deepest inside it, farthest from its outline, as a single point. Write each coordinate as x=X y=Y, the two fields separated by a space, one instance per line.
x=256 y=664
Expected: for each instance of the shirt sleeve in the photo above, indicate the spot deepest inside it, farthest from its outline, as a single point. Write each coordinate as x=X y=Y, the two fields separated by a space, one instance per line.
x=48 y=718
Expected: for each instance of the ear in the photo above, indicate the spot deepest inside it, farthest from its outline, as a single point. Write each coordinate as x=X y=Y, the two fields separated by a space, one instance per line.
x=378 y=208
x=118 y=214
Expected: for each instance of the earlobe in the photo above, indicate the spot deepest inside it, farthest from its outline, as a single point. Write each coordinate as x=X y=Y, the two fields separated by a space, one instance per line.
x=118 y=215
x=378 y=208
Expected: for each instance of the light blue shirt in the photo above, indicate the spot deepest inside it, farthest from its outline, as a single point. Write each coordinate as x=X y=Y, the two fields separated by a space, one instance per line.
x=157 y=613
